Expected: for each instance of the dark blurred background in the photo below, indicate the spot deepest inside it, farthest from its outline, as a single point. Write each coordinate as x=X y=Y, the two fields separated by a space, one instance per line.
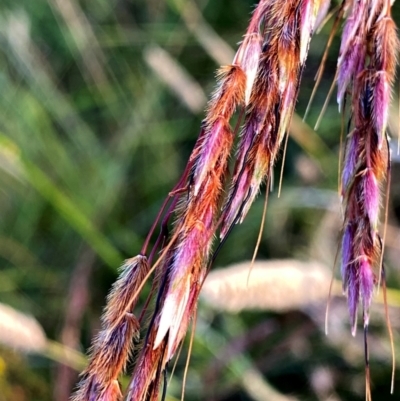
x=100 y=106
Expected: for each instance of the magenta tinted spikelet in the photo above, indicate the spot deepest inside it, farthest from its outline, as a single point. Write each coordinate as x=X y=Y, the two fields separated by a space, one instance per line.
x=371 y=197
x=347 y=254
x=247 y=58
x=381 y=105
x=350 y=163
x=216 y=137
x=367 y=283
x=350 y=65
x=352 y=50
x=353 y=294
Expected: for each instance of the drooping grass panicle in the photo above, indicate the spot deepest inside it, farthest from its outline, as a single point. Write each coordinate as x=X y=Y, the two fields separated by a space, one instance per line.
x=366 y=70
x=263 y=82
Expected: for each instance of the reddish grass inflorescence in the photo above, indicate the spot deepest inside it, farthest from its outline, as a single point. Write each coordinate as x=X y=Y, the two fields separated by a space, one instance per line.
x=262 y=84
x=366 y=70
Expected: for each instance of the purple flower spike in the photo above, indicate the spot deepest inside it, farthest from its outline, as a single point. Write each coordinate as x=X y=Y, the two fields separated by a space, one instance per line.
x=353 y=295
x=351 y=160
x=366 y=279
x=347 y=254
x=348 y=67
x=351 y=283
x=381 y=105
x=371 y=197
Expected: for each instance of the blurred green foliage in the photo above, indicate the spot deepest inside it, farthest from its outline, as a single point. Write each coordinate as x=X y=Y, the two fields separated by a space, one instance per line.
x=92 y=139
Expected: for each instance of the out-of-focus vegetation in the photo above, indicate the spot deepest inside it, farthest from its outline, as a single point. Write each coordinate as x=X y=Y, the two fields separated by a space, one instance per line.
x=100 y=105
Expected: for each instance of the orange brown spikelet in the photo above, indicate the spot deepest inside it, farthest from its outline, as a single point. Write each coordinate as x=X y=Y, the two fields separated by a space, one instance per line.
x=111 y=392
x=120 y=300
x=216 y=135
x=109 y=355
x=229 y=93
x=113 y=345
